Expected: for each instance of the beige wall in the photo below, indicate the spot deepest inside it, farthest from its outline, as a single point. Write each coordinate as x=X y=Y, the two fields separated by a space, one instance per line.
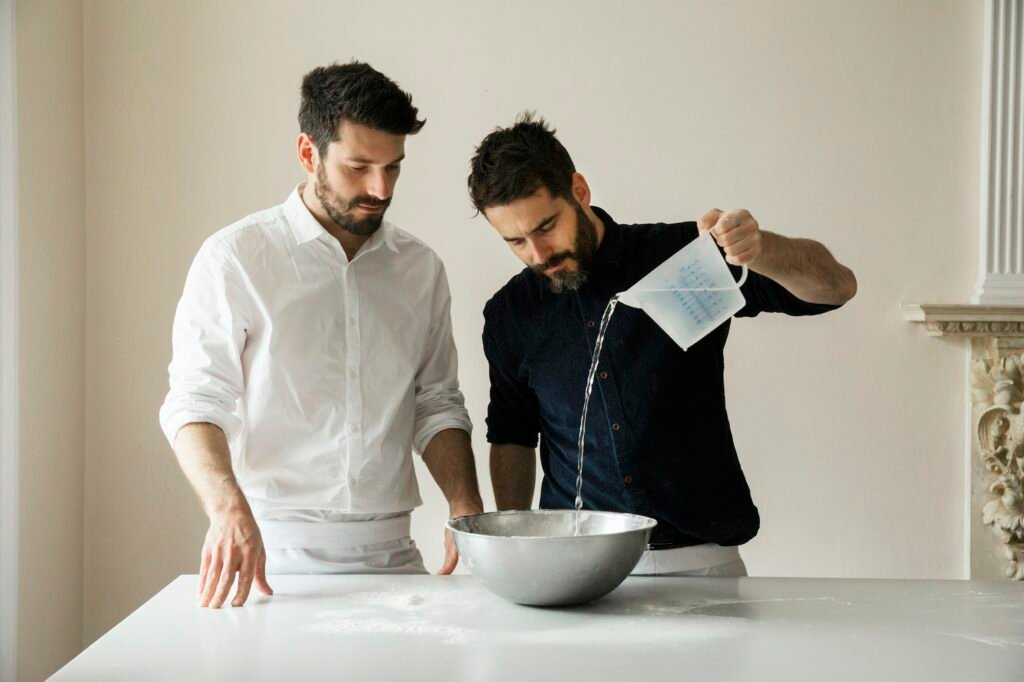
x=853 y=123
x=51 y=212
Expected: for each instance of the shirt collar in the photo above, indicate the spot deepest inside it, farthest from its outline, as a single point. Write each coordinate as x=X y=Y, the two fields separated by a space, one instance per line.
x=384 y=236
x=610 y=251
x=305 y=228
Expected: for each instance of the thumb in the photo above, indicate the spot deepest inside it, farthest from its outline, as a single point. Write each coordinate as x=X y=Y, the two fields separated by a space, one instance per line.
x=708 y=220
x=451 y=555
x=451 y=560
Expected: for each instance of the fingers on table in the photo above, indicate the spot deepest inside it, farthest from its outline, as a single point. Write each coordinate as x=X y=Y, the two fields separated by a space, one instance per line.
x=261 y=574
x=246 y=571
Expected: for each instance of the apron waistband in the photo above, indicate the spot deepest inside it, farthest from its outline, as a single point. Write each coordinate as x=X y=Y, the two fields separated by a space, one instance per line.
x=693 y=558
x=332 y=535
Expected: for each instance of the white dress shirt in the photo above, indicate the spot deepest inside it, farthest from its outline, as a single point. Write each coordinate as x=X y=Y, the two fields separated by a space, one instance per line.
x=324 y=373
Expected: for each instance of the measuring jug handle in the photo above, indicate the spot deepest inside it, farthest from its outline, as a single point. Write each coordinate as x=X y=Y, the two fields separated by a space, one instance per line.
x=743 y=277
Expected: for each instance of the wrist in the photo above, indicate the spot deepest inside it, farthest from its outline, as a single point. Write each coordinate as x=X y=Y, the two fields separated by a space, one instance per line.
x=766 y=261
x=466 y=506
x=228 y=501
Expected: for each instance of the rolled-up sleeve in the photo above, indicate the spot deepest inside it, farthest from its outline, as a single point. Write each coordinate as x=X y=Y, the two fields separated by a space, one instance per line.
x=440 y=404
x=206 y=378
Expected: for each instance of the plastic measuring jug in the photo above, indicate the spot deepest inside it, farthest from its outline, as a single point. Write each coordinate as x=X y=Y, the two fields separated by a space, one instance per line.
x=691 y=293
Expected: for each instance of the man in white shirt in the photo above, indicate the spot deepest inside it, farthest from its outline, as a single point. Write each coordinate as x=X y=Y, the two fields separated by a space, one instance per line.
x=313 y=352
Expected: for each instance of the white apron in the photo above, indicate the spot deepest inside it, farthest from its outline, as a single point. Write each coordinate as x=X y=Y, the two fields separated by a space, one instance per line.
x=326 y=542
x=708 y=559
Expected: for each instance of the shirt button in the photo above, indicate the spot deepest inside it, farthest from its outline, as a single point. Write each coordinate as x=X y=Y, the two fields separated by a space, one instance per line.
x=352 y=374
x=628 y=480
x=616 y=427
x=352 y=483
x=591 y=324
x=604 y=375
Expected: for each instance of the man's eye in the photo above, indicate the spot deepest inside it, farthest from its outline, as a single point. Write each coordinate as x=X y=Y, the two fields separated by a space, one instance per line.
x=394 y=167
x=517 y=243
x=357 y=169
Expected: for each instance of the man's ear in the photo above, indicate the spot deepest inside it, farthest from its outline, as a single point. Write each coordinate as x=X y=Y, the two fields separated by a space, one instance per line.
x=308 y=153
x=580 y=190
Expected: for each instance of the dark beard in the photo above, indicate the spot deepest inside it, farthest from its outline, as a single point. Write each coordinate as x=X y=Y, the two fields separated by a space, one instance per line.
x=584 y=247
x=345 y=219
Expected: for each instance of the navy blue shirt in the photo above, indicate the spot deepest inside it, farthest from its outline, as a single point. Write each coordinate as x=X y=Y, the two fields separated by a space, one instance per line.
x=658 y=441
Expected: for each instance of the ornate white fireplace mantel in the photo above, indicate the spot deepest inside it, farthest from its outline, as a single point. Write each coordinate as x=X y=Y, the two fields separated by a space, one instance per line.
x=996 y=338
x=985 y=321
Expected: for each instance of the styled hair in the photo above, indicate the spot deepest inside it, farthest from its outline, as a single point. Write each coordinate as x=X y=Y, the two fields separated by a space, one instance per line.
x=512 y=163
x=353 y=92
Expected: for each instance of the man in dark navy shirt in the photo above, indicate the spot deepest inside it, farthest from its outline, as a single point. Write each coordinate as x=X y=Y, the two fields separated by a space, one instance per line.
x=658 y=441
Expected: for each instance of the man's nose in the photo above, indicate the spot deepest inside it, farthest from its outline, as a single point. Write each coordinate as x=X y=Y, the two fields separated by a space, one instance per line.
x=378 y=185
x=540 y=253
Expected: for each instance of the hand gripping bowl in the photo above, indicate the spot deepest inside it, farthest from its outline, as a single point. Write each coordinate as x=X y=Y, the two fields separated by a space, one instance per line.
x=532 y=557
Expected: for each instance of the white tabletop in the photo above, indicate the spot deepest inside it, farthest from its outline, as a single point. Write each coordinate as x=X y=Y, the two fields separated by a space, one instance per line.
x=449 y=628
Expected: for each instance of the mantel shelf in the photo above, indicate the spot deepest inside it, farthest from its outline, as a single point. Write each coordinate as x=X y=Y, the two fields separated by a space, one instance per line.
x=966 y=319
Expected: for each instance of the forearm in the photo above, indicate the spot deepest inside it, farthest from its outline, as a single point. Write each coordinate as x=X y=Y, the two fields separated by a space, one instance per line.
x=513 y=475
x=203 y=453
x=449 y=458
x=805 y=268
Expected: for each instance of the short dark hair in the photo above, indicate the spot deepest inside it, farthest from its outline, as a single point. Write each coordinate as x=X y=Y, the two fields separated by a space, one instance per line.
x=353 y=92
x=512 y=163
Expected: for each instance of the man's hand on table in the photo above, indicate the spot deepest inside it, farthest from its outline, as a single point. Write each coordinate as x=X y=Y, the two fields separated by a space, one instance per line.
x=233 y=546
x=451 y=555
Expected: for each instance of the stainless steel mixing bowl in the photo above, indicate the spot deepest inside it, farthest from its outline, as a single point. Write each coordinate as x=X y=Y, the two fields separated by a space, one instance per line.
x=532 y=557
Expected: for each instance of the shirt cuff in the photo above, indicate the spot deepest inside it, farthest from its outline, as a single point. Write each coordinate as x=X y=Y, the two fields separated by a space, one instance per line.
x=428 y=427
x=500 y=436
x=172 y=418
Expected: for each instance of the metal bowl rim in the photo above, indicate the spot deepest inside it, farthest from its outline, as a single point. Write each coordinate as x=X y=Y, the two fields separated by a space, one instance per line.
x=648 y=523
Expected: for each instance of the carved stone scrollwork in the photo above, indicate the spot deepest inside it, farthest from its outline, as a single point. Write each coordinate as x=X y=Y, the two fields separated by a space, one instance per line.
x=995 y=336
x=954 y=328
x=968 y=320
x=997 y=389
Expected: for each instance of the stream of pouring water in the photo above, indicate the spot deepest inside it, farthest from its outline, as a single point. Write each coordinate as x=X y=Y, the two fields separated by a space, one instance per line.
x=586 y=402
x=634 y=298
x=605 y=319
